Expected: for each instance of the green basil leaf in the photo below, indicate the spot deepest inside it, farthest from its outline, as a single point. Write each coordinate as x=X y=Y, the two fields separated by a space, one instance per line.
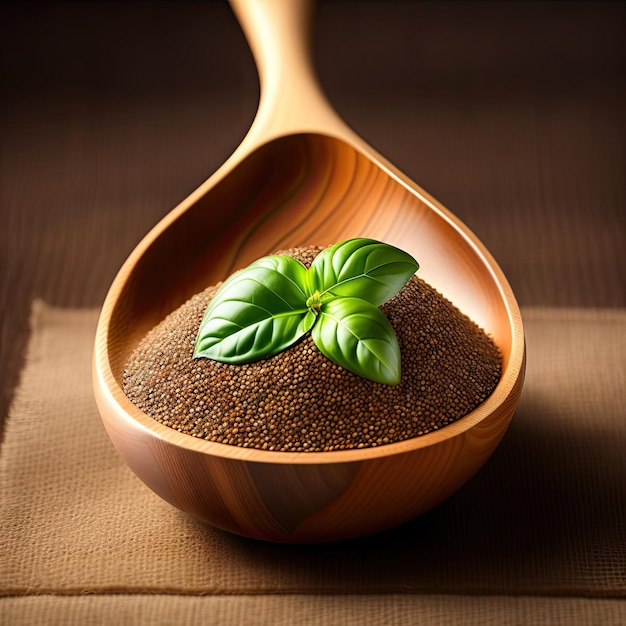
x=356 y=335
x=362 y=268
x=293 y=271
x=256 y=313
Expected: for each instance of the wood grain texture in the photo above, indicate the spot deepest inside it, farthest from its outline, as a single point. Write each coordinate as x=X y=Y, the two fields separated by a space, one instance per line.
x=301 y=177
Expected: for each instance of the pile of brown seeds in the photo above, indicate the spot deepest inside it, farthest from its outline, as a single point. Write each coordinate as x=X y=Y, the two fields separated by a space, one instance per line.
x=299 y=400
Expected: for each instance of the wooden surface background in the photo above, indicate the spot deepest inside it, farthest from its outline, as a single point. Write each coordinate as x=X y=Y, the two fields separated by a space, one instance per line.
x=511 y=114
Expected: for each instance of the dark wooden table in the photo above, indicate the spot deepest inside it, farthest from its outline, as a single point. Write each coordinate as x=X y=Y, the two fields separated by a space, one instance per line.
x=512 y=114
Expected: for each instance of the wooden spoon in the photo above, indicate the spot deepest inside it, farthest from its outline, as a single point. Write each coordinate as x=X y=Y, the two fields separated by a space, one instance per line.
x=300 y=177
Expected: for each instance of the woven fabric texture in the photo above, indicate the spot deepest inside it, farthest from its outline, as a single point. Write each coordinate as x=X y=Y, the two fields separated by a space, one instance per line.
x=287 y=610
x=546 y=515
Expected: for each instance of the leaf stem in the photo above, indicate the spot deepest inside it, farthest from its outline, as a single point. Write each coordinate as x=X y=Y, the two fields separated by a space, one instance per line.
x=314 y=302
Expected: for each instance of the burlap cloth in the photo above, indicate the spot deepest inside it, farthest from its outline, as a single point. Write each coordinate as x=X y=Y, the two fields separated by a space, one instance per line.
x=544 y=517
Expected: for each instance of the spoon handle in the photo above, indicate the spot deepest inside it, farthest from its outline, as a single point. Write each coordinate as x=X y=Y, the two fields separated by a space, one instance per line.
x=292 y=101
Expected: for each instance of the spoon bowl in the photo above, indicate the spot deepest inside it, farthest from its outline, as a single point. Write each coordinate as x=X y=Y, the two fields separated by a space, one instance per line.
x=300 y=177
